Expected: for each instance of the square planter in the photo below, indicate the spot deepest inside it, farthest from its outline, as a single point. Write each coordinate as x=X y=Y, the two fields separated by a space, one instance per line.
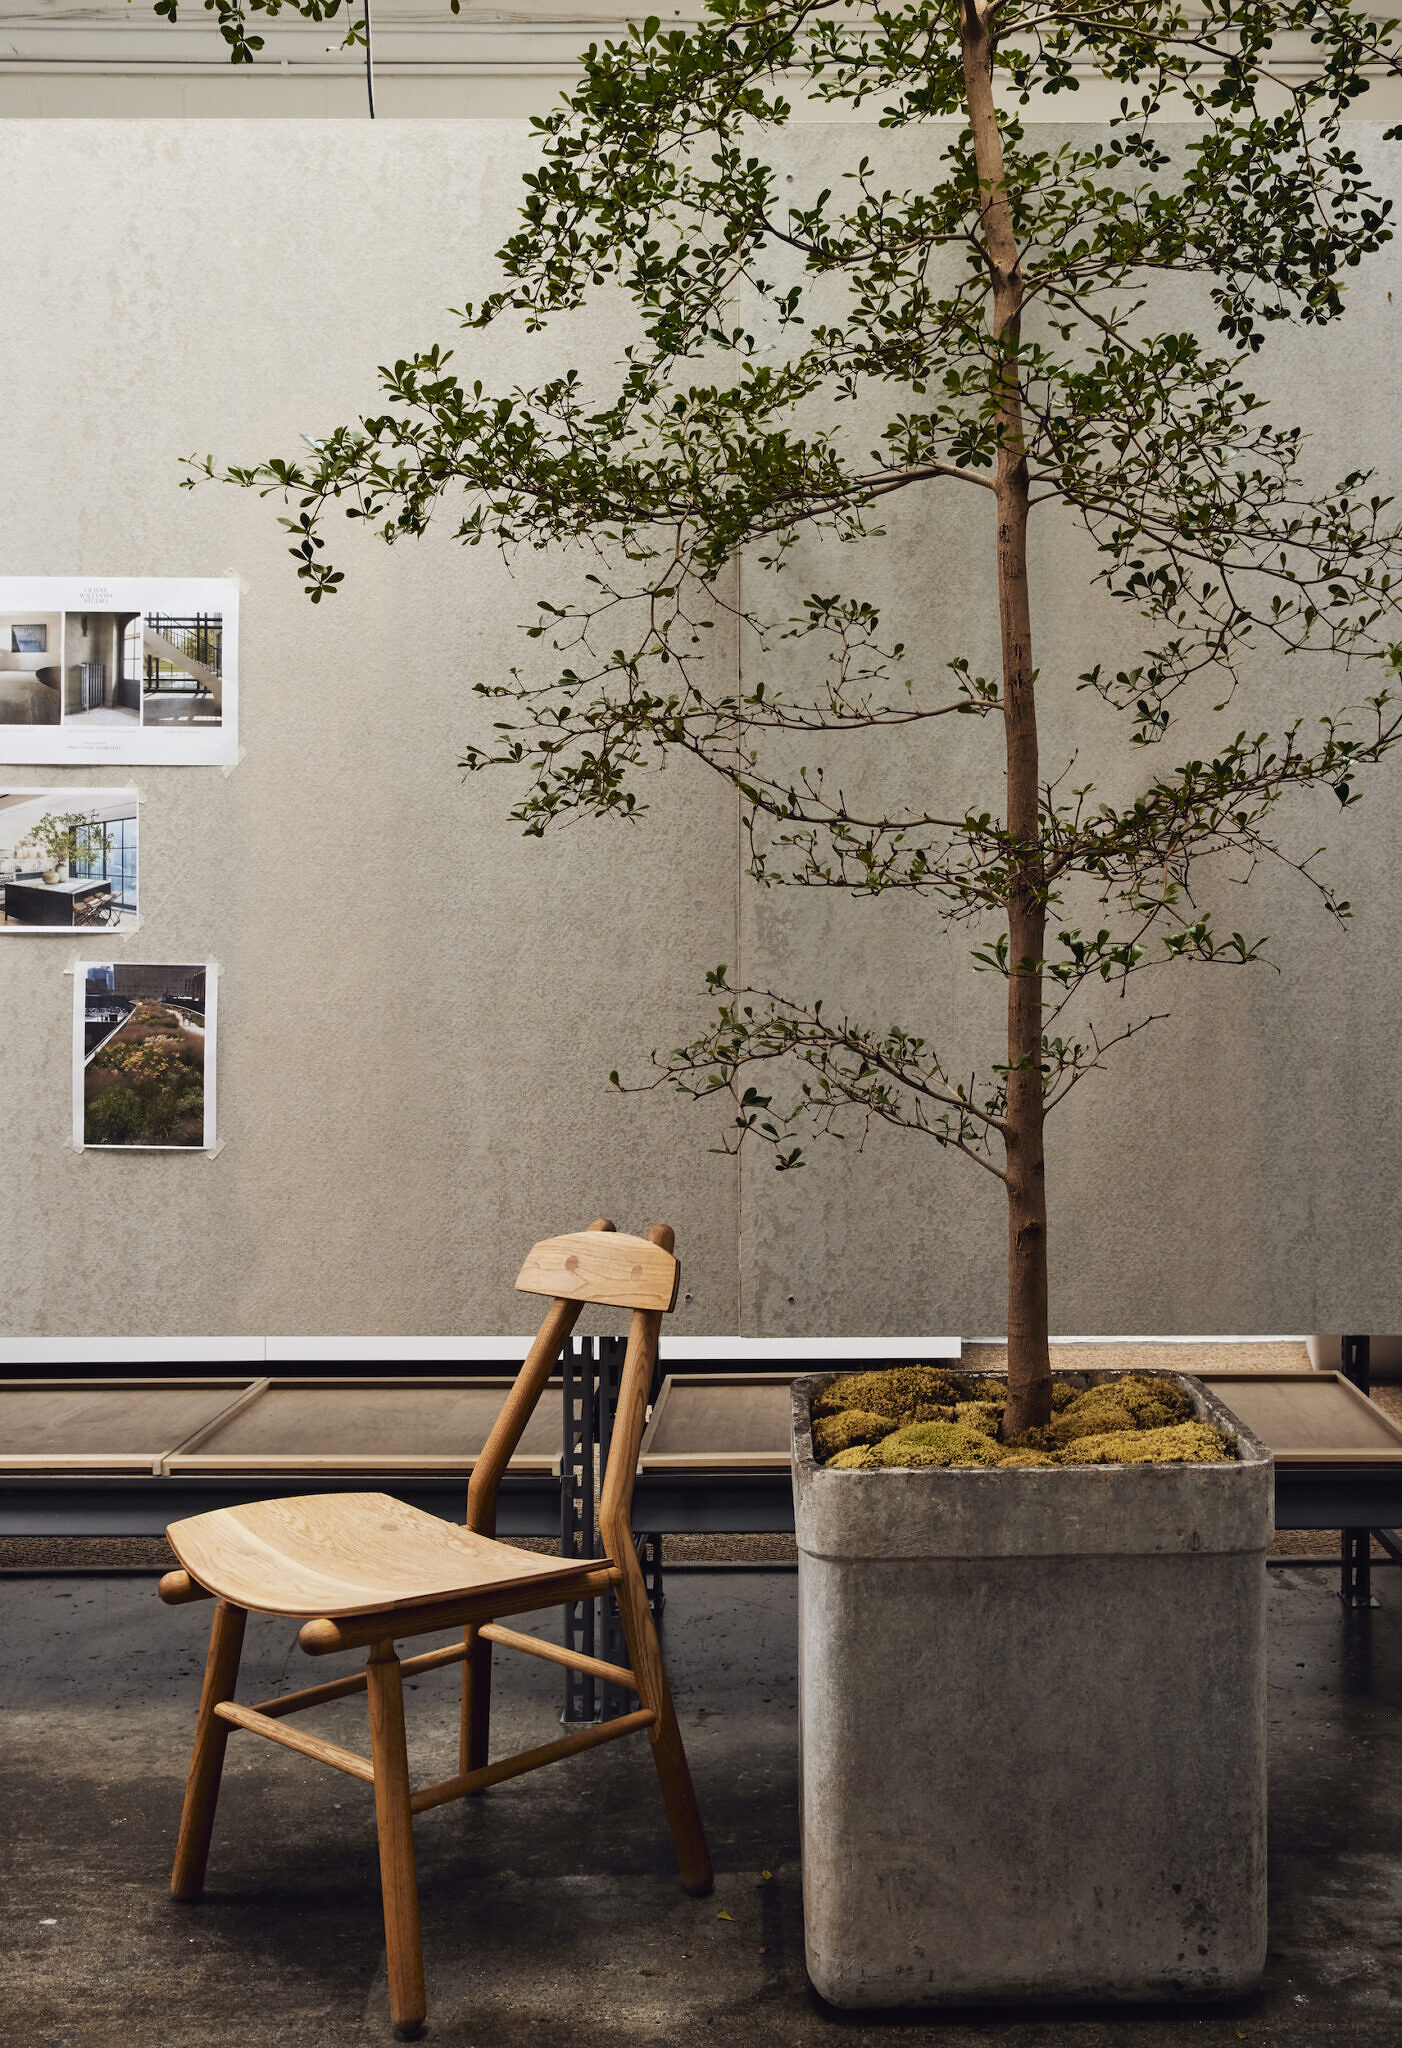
x=1033 y=1722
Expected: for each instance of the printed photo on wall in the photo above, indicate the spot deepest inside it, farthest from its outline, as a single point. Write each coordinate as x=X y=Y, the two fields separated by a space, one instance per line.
x=123 y=669
x=143 y=1056
x=67 y=860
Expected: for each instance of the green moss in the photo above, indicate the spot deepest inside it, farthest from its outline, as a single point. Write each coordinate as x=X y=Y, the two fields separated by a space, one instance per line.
x=981 y=1389
x=1099 y=1418
x=919 y=1415
x=1146 y=1395
x=833 y=1433
x=939 y=1443
x=981 y=1415
x=1034 y=1440
x=892 y=1392
x=1129 y=1401
x=856 y=1458
x=1181 y=1443
x=927 y=1411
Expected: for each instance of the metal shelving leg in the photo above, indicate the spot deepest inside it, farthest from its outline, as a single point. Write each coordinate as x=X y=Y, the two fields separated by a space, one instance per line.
x=1356 y=1545
x=577 y=1516
x=593 y=1370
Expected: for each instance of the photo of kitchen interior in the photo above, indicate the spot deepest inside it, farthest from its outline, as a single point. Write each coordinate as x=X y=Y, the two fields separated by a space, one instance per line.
x=68 y=860
x=31 y=667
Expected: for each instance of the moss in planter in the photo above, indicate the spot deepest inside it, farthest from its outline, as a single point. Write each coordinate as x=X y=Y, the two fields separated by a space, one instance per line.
x=892 y=1393
x=924 y=1411
x=908 y=1418
x=857 y=1458
x=833 y=1433
x=1129 y=1402
x=984 y=1415
x=1182 y=1443
x=980 y=1389
x=940 y=1443
x=1041 y=1440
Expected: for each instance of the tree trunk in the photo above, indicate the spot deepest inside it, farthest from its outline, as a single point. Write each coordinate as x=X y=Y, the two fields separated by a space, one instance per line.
x=1029 y=1367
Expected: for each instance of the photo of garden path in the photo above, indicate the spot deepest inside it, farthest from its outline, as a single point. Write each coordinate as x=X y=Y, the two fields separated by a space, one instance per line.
x=143 y=1079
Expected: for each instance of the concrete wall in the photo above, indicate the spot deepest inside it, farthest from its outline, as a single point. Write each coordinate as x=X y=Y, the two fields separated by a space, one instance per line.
x=419 y=1009
x=90 y=636
x=113 y=58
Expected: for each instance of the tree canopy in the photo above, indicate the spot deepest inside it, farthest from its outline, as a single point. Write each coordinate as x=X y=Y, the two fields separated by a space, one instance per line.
x=992 y=331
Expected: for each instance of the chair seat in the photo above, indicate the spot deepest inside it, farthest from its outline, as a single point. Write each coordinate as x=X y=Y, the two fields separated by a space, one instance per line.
x=350 y=1553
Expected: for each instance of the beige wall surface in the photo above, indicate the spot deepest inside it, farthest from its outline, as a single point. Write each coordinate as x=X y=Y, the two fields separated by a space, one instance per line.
x=420 y=1008
x=110 y=58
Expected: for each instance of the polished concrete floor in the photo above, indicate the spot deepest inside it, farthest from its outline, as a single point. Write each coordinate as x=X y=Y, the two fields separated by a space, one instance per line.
x=551 y=1910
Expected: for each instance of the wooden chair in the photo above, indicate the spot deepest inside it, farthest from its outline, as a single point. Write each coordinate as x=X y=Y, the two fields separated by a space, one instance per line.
x=99 y=912
x=364 y=1569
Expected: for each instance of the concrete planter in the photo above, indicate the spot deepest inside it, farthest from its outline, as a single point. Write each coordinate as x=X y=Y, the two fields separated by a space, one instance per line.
x=1033 y=1717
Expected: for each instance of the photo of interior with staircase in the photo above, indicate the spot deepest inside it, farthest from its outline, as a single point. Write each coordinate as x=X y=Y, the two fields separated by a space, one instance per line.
x=182 y=667
x=124 y=668
x=31 y=654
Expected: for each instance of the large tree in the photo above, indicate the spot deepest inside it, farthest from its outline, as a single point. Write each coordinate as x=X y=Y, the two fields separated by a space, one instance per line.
x=1001 y=309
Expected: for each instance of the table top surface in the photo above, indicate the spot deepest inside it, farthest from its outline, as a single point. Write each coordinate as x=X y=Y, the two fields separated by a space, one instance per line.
x=740 y=1422
x=710 y=1422
x=89 y=882
x=218 y=1425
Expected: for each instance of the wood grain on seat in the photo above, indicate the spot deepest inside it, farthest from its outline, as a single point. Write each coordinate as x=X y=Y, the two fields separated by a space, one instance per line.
x=347 y=1553
x=608 y=1267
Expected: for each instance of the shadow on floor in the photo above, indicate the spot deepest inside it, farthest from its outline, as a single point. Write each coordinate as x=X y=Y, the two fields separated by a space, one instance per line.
x=551 y=1911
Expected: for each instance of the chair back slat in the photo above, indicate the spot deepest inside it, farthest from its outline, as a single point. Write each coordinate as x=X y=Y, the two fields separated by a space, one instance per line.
x=519 y=1405
x=516 y=1411
x=605 y=1266
x=629 y=1421
x=612 y=1269
x=630 y=1417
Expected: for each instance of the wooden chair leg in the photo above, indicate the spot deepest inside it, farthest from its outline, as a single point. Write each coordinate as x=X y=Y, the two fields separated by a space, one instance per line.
x=475 y=1726
x=668 y=1753
x=394 y=1821
x=221 y=1671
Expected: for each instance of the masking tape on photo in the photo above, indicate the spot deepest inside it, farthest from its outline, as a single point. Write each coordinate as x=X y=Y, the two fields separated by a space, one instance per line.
x=209 y=1151
x=233 y=576
x=229 y=766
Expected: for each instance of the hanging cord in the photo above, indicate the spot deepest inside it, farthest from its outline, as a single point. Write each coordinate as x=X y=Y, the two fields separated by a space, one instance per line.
x=369 y=63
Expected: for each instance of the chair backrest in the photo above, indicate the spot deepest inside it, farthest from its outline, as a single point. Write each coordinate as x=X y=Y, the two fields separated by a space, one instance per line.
x=609 y=1268
x=604 y=1266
